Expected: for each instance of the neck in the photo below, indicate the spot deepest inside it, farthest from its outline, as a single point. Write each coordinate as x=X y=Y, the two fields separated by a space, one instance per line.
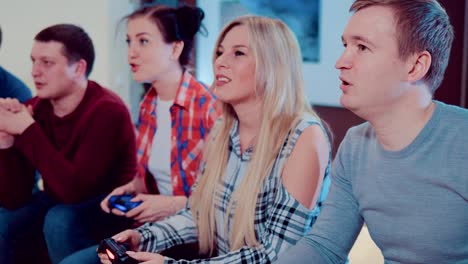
x=249 y=117
x=67 y=103
x=168 y=85
x=401 y=123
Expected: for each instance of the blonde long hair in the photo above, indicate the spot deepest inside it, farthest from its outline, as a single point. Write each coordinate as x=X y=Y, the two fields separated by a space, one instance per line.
x=279 y=81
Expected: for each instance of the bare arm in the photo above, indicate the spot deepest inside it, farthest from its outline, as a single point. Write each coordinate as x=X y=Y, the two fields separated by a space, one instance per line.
x=303 y=172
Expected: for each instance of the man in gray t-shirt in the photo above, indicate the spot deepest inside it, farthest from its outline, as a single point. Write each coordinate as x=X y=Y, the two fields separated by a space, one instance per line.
x=404 y=173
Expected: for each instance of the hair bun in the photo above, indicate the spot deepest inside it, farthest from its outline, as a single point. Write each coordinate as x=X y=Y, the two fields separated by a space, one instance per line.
x=189 y=20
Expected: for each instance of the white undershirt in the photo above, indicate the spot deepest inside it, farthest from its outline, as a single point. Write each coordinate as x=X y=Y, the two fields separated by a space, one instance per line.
x=160 y=156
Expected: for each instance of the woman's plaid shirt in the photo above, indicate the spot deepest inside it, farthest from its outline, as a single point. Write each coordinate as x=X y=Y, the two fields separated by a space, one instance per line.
x=280 y=220
x=193 y=115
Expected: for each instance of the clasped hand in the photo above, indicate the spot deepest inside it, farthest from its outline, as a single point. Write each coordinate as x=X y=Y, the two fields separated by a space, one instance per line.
x=14 y=116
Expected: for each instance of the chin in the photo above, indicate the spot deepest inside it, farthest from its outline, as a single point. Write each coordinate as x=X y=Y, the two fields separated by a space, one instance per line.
x=346 y=102
x=42 y=95
x=342 y=101
x=139 y=78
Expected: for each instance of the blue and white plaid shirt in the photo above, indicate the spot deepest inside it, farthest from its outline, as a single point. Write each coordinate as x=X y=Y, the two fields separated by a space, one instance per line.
x=280 y=220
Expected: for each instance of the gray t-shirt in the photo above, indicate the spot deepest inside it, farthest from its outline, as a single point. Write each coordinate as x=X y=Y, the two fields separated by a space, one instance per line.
x=414 y=201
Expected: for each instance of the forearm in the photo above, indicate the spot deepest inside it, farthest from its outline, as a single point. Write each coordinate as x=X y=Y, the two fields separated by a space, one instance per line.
x=175 y=230
x=178 y=203
x=302 y=253
x=287 y=222
x=244 y=255
x=333 y=234
x=6 y=140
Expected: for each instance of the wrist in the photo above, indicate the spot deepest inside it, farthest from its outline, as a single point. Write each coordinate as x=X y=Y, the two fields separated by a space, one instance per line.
x=6 y=145
x=138 y=185
x=6 y=140
x=177 y=203
x=173 y=206
x=26 y=125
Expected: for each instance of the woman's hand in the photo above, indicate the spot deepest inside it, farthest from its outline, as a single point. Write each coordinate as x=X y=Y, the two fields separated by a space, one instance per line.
x=124 y=189
x=129 y=236
x=146 y=257
x=155 y=207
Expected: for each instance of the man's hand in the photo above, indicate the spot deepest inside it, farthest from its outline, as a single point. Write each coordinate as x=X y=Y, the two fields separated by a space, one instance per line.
x=11 y=105
x=15 y=119
x=6 y=140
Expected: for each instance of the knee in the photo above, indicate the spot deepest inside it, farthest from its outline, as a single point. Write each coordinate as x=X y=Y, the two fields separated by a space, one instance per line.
x=87 y=255
x=58 y=219
x=8 y=226
x=5 y=232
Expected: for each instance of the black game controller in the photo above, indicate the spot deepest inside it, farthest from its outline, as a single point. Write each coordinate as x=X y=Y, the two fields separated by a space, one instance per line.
x=116 y=252
x=123 y=203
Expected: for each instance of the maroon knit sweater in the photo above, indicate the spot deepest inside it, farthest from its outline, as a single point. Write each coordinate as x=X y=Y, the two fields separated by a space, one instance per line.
x=84 y=154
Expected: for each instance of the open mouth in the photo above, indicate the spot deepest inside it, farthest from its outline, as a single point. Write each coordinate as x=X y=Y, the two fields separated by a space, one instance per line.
x=39 y=84
x=344 y=82
x=221 y=80
x=134 y=67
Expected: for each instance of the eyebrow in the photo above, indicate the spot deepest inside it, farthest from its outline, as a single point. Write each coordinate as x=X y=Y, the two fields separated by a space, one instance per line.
x=41 y=57
x=140 y=34
x=359 y=38
x=235 y=46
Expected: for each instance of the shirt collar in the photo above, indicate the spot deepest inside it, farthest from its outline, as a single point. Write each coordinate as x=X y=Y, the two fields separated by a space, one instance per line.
x=184 y=93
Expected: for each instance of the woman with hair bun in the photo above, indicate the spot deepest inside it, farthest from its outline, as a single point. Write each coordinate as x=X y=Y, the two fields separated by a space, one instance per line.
x=176 y=115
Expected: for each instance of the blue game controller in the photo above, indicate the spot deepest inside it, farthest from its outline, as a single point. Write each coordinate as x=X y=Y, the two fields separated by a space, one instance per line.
x=123 y=202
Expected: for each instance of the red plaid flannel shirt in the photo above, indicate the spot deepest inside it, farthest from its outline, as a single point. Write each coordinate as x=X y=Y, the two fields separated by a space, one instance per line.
x=193 y=114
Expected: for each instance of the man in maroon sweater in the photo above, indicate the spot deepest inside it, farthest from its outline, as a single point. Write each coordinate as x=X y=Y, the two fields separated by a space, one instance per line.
x=78 y=136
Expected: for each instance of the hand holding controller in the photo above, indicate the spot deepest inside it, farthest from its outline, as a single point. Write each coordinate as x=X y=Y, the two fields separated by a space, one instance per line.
x=115 y=251
x=123 y=203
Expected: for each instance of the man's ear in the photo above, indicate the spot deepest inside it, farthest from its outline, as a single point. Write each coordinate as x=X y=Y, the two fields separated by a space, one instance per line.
x=177 y=48
x=418 y=66
x=81 y=67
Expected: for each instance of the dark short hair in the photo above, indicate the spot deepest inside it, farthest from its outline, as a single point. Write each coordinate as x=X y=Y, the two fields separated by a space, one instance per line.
x=76 y=43
x=421 y=25
x=175 y=24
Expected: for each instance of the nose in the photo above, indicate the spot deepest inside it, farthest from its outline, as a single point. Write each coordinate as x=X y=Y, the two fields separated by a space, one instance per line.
x=220 y=62
x=132 y=51
x=344 y=61
x=35 y=71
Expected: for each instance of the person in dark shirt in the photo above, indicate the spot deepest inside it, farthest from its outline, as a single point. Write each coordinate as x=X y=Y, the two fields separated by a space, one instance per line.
x=80 y=138
x=11 y=86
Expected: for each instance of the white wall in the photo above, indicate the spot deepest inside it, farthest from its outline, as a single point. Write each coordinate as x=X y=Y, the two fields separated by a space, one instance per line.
x=22 y=20
x=321 y=79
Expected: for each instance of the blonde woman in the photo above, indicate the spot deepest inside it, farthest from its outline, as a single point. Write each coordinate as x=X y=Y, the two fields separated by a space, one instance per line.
x=266 y=162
